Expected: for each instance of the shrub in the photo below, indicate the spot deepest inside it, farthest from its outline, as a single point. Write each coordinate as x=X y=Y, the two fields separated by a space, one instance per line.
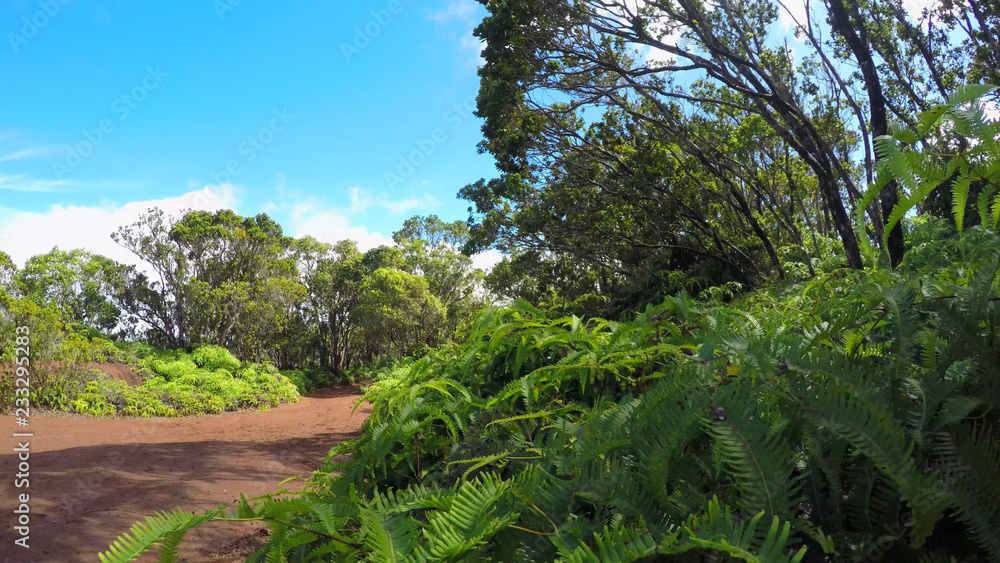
x=174 y=385
x=215 y=358
x=307 y=381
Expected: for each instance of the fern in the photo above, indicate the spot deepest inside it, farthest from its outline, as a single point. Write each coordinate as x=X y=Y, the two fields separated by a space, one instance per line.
x=809 y=417
x=961 y=116
x=166 y=529
x=719 y=530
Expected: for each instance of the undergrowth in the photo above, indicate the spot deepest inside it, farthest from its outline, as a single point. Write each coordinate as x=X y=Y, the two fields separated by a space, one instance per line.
x=851 y=416
x=209 y=380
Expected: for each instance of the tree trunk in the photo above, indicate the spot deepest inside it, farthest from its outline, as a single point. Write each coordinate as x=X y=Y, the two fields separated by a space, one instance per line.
x=859 y=45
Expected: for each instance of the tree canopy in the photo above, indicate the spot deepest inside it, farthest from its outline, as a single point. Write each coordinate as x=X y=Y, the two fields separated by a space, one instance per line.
x=644 y=139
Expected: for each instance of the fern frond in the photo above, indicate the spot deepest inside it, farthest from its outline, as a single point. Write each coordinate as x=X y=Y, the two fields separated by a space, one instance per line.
x=619 y=544
x=718 y=529
x=477 y=513
x=761 y=462
x=959 y=199
x=163 y=528
x=389 y=538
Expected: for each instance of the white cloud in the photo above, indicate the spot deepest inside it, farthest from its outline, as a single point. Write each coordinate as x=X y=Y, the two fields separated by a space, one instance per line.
x=330 y=225
x=30 y=152
x=470 y=43
x=916 y=7
x=790 y=12
x=463 y=10
x=486 y=260
x=315 y=217
x=24 y=234
x=401 y=206
x=991 y=110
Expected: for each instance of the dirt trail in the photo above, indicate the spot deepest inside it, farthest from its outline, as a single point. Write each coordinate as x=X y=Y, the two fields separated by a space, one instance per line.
x=92 y=478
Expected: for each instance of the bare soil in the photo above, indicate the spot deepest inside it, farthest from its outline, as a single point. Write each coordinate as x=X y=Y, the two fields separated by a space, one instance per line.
x=93 y=478
x=121 y=372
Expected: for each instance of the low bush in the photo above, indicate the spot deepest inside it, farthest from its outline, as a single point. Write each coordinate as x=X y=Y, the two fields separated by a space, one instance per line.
x=215 y=358
x=207 y=381
x=309 y=380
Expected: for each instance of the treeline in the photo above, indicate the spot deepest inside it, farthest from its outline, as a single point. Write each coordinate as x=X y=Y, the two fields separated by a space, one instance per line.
x=239 y=282
x=651 y=147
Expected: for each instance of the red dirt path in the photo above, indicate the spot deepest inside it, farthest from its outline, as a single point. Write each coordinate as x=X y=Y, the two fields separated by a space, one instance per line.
x=92 y=478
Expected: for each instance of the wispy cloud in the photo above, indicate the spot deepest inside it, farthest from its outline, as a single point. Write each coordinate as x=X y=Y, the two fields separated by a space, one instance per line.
x=29 y=153
x=317 y=218
x=23 y=183
x=362 y=201
x=24 y=234
x=461 y=10
x=474 y=46
x=991 y=110
x=329 y=222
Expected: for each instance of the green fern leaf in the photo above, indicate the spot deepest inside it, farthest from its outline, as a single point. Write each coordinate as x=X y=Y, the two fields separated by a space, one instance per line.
x=161 y=528
x=613 y=545
x=960 y=197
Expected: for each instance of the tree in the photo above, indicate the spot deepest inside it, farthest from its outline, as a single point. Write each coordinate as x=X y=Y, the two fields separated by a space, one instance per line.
x=334 y=287
x=77 y=283
x=434 y=249
x=7 y=271
x=684 y=73
x=631 y=203
x=214 y=274
x=396 y=314
x=156 y=305
x=584 y=51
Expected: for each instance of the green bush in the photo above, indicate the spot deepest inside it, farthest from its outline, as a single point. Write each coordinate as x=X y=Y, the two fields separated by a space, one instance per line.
x=215 y=358
x=174 y=385
x=309 y=380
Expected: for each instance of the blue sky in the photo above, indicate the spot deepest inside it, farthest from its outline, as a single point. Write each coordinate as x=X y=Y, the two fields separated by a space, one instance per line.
x=340 y=119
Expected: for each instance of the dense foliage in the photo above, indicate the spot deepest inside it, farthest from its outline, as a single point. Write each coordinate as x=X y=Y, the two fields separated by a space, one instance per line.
x=174 y=383
x=648 y=147
x=752 y=289
x=208 y=283
x=240 y=283
x=849 y=414
x=218 y=279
